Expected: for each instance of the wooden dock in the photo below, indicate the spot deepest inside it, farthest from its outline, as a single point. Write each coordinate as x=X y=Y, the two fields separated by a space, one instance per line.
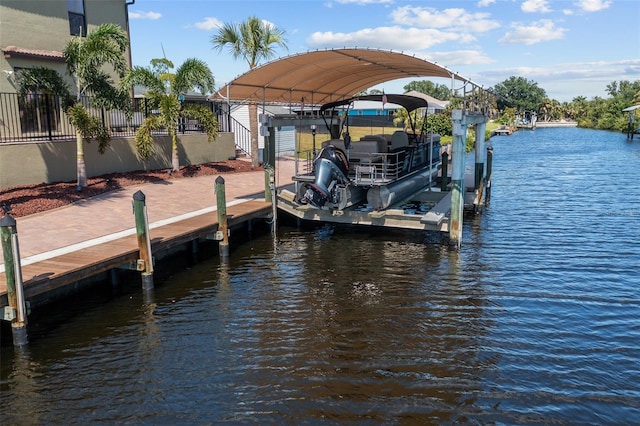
x=67 y=269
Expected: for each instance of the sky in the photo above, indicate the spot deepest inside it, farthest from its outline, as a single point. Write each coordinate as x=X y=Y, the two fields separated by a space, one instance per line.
x=569 y=48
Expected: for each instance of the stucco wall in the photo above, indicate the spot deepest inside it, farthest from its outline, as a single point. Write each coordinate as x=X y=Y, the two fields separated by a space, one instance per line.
x=46 y=162
x=44 y=25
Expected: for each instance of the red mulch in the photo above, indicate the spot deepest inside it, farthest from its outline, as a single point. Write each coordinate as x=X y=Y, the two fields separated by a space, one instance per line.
x=30 y=199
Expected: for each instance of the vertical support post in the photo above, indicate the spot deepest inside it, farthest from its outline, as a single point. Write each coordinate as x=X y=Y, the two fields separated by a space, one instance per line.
x=269 y=164
x=270 y=175
x=223 y=227
x=47 y=108
x=489 y=165
x=13 y=274
x=457 y=177
x=144 y=240
x=480 y=152
x=444 y=182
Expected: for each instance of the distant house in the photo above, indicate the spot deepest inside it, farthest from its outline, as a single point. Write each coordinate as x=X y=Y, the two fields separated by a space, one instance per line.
x=367 y=113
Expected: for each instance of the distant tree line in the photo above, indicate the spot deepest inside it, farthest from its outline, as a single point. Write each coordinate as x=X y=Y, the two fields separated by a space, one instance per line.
x=518 y=96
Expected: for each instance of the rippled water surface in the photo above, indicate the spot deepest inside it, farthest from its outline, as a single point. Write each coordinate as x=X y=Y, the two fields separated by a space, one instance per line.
x=535 y=321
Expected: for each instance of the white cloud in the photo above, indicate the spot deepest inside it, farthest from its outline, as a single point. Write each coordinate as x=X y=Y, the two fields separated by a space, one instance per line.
x=144 y=15
x=593 y=5
x=483 y=3
x=540 y=6
x=395 y=38
x=542 y=30
x=208 y=23
x=453 y=18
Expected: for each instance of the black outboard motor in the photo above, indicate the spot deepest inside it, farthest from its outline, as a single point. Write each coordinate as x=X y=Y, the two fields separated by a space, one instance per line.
x=331 y=168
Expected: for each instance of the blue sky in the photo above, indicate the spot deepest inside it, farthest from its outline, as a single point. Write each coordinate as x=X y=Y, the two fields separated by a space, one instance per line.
x=568 y=47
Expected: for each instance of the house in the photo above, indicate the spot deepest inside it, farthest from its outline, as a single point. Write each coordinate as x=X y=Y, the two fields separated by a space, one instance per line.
x=33 y=33
x=285 y=136
x=370 y=113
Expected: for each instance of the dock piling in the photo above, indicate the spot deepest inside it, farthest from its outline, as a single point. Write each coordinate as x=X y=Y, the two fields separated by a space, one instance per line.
x=17 y=312
x=444 y=182
x=457 y=178
x=489 y=162
x=144 y=240
x=223 y=227
x=480 y=158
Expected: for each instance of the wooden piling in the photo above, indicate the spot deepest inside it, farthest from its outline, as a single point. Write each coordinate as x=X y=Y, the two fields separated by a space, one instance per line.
x=480 y=158
x=223 y=227
x=444 y=182
x=489 y=164
x=13 y=273
x=144 y=240
x=457 y=178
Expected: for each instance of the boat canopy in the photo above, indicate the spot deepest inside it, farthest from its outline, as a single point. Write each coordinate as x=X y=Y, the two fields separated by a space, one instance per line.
x=408 y=102
x=323 y=76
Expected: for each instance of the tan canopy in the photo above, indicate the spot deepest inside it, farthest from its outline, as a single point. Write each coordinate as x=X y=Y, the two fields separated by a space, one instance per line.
x=327 y=75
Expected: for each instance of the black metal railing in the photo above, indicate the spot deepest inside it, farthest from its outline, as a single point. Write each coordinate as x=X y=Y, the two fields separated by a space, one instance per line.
x=41 y=117
x=241 y=133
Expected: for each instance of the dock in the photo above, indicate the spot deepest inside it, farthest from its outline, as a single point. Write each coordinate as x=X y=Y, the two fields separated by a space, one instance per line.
x=502 y=131
x=65 y=246
x=102 y=255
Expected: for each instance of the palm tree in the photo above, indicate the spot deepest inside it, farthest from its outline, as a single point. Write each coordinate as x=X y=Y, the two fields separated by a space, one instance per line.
x=252 y=40
x=85 y=58
x=164 y=93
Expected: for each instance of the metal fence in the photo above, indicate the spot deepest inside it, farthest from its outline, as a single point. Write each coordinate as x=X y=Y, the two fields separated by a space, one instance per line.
x=41 y=117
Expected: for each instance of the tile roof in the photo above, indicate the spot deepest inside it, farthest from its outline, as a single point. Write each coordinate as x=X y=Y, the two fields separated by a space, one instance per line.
x=53 y=55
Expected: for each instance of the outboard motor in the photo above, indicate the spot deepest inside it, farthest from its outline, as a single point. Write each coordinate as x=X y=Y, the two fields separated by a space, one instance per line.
x=331 y=168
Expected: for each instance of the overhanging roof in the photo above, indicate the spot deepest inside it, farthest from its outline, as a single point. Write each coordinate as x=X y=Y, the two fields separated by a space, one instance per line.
x=327 y=75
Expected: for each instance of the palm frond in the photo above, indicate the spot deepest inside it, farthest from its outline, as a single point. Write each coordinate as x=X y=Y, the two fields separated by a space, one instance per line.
x=193 y=74
x=144 y=136
x=89 y=127
x=205 y=117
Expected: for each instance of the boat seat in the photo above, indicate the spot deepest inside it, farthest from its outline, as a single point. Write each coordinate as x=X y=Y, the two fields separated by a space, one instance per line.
x=399 y=139
x=368 y=150
x=338 y=143
x=379 y=140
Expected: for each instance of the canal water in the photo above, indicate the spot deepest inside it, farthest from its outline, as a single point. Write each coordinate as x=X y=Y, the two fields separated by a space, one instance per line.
x=535 y=321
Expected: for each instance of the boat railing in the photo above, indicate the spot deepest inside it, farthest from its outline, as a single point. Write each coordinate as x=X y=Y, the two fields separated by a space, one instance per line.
x=377 y=168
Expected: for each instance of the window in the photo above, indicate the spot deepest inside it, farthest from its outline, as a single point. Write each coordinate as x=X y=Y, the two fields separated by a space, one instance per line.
x=77 y=21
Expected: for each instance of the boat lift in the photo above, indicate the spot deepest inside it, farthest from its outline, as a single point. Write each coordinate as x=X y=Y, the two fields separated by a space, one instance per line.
x=323 y=76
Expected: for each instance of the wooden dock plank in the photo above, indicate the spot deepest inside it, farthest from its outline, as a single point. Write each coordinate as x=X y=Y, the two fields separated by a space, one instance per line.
x=50 y=274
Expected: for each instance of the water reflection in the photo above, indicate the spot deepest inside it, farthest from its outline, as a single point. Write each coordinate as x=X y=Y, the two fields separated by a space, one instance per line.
x=533 y=321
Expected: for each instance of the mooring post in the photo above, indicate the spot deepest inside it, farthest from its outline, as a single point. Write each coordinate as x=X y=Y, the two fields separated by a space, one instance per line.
x=16 y=312
x=144 y=239
x=489 y=163
x=457 y=178
x=223 y=228
x=445 y=171
x=480 y=152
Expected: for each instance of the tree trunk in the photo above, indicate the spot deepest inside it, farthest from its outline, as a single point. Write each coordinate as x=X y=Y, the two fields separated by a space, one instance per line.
x=175 y=159
x=81 y=169
x=253 y=128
